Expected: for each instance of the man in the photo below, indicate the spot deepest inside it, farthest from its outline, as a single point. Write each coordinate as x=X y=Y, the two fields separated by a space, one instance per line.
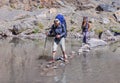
x=59 y=32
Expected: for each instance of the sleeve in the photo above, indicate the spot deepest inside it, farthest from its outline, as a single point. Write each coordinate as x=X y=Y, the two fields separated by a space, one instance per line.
x=64 y=31
x=51 y=31
x=89 y=27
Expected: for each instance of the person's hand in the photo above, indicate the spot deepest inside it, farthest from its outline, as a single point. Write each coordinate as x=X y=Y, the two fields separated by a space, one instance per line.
x=58 y=36
x=46 y=33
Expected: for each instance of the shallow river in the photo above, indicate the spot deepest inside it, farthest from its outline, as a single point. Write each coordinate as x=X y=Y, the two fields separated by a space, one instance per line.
x=25 y=61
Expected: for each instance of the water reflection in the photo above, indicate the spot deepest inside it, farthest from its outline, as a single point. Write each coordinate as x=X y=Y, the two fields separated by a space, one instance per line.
x=19 y=63
x=16 y=41
x=85 y=64
x=12 y=71
x=18 y=57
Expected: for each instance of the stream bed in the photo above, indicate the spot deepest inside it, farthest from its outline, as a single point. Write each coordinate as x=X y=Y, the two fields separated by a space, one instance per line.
x=26 y=61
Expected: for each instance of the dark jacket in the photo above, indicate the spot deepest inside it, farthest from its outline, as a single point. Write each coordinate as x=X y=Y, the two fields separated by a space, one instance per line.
x=60 y=30
x=85 y=28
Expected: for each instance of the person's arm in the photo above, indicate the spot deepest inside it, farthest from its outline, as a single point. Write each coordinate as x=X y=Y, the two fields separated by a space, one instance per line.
x=82 y=27
x=51 y=30
x=89 y=27
x=64 y=31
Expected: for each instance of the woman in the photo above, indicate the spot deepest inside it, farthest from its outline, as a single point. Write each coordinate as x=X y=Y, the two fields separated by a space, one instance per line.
x=85 y=29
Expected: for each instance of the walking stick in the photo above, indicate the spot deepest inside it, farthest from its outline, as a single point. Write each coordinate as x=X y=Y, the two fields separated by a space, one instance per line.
x=45 y=45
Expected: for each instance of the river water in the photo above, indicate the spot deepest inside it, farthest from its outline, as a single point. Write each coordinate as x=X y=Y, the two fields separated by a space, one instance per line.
x=26 y=61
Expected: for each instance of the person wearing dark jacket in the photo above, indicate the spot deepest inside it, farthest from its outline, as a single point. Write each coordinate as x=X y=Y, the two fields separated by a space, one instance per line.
x=59 y=32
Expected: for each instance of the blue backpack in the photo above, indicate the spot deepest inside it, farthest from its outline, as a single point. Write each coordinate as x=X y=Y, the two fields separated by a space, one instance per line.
x=62 y=20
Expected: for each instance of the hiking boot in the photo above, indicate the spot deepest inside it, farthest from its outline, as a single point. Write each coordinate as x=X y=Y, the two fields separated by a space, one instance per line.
x=66 y=60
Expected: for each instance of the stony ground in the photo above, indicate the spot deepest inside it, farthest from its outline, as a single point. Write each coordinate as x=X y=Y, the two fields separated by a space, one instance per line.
x=31 y=18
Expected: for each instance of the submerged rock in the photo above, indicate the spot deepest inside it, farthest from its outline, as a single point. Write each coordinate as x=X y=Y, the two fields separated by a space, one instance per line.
x=84 y=48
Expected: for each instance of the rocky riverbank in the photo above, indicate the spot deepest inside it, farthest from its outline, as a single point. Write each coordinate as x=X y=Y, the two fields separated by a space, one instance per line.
x=29 y=18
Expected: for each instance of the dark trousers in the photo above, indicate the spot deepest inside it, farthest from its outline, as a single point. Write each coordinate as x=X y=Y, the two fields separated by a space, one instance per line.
x=85 y=37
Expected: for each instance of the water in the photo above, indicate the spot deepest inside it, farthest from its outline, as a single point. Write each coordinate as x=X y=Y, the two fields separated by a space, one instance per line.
x=22 y=61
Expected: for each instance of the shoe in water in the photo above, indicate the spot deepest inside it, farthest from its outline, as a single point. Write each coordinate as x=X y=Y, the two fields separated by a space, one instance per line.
x=51 y=61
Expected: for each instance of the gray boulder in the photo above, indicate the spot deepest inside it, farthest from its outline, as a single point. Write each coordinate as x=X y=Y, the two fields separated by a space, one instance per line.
x=96 y=42
x=117 y=15
x=107 y=35
x=105 y=7
x=105 y=21
x=22 y=26
x=116 y=4
x=85 y=6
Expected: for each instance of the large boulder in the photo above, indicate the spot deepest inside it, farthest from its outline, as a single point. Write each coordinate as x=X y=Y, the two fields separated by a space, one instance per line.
x=105 y=21
x=96 y=42
x=105 y=7
x=117 y=15
x=115 y=30
x=116 y=4
x=85 y=6
x=22 y=26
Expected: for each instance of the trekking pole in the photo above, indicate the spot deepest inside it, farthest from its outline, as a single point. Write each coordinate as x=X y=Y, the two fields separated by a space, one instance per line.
x=45 y=43
x=44 y=49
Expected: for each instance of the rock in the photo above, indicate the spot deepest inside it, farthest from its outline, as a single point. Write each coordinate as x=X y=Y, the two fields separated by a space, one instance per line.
x=111 y=38
x=96 y=42
x=18 y=28
x=108 y=33
x=85 y=6
x=32 y=36
x=115 y=30
x=108 y=36
x=41 y=16
x=27 y=5
x=105 y=7
x=92 y=33
x=84 y=48
x=91 y=20
x=1 y=3
x=7 y=33
x=28 y=32
x=116 y=33
x=21 y=16
x=105 y=21
x=117 y=15
x=77 y=35
x=60 y=2
x=116 y=4
x=53 y=10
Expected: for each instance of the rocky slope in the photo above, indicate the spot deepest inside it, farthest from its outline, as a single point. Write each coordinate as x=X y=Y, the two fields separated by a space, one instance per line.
x=28 y=17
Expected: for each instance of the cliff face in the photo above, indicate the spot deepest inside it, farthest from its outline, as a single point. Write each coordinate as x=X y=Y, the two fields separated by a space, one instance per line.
x=32 y=4
x=27 y=4
x=25 y=14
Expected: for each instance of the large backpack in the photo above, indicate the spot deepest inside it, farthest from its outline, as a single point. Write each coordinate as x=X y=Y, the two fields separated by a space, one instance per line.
x=62 y=20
